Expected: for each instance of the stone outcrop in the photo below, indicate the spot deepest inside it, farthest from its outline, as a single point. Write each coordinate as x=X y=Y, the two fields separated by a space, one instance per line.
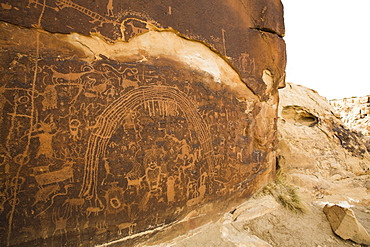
x=264 y=219
x=315 y=148
x=344 y=223
x=355 y=114
x=118 y=119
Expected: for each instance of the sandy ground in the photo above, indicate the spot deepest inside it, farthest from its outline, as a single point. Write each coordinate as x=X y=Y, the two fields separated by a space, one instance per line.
x=262 y=221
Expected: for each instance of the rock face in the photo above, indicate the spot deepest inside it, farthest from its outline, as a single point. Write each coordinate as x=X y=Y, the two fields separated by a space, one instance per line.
x=355 y=113
x=344 y=223
x=315 y=147
x=264 y=220
x=120 y=118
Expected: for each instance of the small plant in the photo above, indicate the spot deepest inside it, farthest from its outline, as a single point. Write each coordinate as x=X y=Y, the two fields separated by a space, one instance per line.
x=284 y=193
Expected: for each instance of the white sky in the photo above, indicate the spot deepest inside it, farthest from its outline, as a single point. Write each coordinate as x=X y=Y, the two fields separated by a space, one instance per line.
x=328 y=46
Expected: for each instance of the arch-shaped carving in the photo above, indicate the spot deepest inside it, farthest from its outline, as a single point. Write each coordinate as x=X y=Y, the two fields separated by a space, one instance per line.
x=110 y=118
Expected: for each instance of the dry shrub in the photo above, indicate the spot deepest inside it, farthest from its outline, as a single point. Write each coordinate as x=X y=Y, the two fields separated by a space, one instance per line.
x=285 y=193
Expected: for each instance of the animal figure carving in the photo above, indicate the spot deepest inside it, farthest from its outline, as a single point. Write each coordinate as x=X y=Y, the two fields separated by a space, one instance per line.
x=126 y=225
x=136 y=30
x=44 y=193
x=74 y=203
x=134 y=179
x=71 y=76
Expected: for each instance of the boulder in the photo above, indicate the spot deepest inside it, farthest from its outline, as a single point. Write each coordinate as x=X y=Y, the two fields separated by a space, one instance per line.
x=344 y=223
x=120 y=118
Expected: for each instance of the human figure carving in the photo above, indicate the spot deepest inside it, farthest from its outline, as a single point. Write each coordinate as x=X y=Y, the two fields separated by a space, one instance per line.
x=170 y=189
x=110 y=8
x=45 y=135
x=152 y=174
x=246 y=63
x=50 y=100
x=185 y=152
x=60 y=221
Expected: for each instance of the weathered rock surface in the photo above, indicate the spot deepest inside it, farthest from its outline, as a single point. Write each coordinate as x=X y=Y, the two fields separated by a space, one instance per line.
x=315 y=147
x=118 y=119
x=325 y=160
x=262 y=220
x=344 y=223
x=355 y=114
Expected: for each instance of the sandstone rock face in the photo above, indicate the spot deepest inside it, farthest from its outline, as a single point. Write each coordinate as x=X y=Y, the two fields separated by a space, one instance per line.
x=315 y=147
x=344 y=223
x=120 y=118
x=355 y=114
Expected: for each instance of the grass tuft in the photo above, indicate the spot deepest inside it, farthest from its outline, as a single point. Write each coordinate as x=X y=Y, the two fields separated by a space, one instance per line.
x=285 y=193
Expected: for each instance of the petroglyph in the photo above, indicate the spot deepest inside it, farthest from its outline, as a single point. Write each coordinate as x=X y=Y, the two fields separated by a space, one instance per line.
x=110 y=8
x=93 y=15
x=60 y=220
x=54 y=176
x=113 y=139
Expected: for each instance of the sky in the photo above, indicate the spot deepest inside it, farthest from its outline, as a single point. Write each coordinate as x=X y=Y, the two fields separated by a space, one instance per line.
x=328 y=46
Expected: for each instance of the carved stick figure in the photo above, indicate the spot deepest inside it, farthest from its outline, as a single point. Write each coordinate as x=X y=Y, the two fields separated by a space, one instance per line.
x=50 y=100
x=74 y=125
x=153 y=173
x=170 y=189
x=46 y=140
x=110 y=8
x=60 y=221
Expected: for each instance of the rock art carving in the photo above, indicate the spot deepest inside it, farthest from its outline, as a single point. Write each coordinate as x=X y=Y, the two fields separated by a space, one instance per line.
x=111 y=135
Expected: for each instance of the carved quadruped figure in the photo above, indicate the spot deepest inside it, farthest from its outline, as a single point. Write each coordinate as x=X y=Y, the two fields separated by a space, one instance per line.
x=134 y=179
x=74 y=204
x=66 y=188
x=44 y=193
x=59 y=77
x=128 y=225
x=95 y=210
x=134 y=29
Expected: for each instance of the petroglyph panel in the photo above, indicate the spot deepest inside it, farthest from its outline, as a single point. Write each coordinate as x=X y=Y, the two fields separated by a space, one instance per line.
x=247 y=33
x=107 y=144
x=122 y=133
